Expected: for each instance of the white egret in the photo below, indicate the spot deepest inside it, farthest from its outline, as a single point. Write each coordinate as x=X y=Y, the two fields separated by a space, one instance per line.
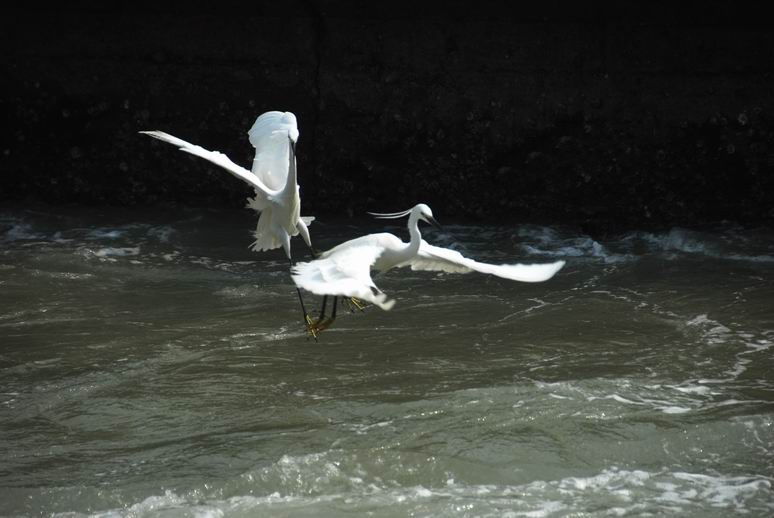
x=345 y=270
x=273 y=176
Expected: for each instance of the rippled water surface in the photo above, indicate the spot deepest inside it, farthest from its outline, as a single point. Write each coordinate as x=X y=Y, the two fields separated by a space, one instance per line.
x=152 y=365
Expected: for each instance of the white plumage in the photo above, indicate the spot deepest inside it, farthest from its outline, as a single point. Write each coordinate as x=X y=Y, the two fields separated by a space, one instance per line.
x=273 y=176
x=271 y=135
x=344 y=273
x=345 y=270
x=434 y=258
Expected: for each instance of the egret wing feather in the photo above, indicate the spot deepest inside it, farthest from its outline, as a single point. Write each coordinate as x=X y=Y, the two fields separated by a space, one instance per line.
x=215 y=157
x=269 y=135
x=382 y=241
x=346 y=273
x=434 y=258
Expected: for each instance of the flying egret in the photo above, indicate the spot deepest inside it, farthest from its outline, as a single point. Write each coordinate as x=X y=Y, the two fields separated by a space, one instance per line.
x=345 y=270
x=273 y=176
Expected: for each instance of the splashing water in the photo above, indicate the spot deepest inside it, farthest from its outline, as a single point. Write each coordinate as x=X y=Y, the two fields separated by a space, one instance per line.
x=153 y=366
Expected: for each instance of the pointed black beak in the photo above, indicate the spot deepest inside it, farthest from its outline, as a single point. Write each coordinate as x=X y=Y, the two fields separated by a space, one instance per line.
x=434 y=223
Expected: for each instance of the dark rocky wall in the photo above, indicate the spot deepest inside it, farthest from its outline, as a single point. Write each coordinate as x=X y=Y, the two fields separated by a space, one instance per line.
x=602 y=114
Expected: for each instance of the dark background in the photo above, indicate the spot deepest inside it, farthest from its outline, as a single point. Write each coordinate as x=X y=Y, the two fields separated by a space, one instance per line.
x=603 y=115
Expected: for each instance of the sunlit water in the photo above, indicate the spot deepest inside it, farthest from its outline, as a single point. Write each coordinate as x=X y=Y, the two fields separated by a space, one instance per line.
x=152 y=365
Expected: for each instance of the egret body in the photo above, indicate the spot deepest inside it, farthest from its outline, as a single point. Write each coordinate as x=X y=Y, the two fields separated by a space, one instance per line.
x=345 y=270
x=273 y=177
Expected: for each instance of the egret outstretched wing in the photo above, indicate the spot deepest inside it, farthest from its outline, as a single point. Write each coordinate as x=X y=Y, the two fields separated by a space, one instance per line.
x=215 y=157
x=434 y=258
x=269 y=135
x=346 y=272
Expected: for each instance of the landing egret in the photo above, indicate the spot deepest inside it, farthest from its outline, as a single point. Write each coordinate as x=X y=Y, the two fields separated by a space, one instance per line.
x=273 y=176
x=345 y=270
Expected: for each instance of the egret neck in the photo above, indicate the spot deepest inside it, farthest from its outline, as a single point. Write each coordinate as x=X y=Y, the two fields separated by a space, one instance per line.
x=291 y=190
x=412 y=248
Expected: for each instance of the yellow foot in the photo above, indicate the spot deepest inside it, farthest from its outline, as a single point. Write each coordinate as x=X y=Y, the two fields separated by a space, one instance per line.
x=355 y=304
x=311 y=327
x=322 y=324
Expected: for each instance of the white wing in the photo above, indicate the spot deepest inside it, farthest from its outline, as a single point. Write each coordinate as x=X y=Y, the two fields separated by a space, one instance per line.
x=215 y=157
x=269 y=135
x=434 y=258
x=345 y=272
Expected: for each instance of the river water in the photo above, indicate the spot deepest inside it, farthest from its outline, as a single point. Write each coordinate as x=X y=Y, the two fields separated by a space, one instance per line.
x=151 y=365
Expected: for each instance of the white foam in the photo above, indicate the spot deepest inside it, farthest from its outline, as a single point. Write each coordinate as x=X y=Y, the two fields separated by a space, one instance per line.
x=21 y=232
x=576 y=247
x=622 y=491
x=545 y=509
x=714 y=333
x=693 y=389
x=674 y=409
x=630 y=395
x=162 y=233
x=751 y=258
x=106 y=233
x=723 y=243
x=117 y=251
x=422 y=492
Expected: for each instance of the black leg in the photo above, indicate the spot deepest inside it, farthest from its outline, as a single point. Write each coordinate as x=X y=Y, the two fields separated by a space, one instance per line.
x=312 y=251
x=307 y=320
x=303 y=308
x=324 y=323
x=322 y=308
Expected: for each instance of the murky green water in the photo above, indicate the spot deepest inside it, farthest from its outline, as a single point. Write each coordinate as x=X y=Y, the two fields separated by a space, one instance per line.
x=151 y=365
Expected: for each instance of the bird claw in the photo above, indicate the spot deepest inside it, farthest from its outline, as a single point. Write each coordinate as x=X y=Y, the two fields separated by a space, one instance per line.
x=315 y=327
x=321 y=324
x=355 y=304
x=311 y=327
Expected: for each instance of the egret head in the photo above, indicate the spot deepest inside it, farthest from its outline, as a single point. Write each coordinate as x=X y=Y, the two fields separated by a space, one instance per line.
x=288 y=121
x=424 y=213
x=418 y=212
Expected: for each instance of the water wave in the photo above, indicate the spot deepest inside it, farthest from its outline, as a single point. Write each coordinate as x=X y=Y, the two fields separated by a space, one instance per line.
x=728 y=243
x=613 y=491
